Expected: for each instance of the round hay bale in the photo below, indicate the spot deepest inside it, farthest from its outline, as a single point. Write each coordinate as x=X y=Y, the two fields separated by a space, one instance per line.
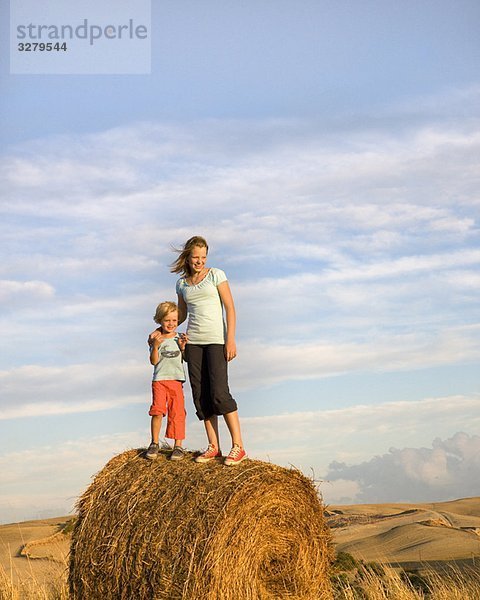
x=154 y=530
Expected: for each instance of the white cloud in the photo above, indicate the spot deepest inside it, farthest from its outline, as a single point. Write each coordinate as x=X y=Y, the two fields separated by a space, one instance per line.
x=337 y=445
x=33 y=390
x=24 y=293
x=294 y=197
x=408 y=265
x=330 y=428
x=314 y=439
x=190 y=163
x=449 y=469
x=266 y=364
x=37 y=481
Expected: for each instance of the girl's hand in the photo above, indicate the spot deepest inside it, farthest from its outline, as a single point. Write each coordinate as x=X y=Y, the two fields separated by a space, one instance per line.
x=182 y=341
x=230 y=350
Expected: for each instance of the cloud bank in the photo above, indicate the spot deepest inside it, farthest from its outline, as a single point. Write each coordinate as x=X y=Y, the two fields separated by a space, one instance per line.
x=448 y=470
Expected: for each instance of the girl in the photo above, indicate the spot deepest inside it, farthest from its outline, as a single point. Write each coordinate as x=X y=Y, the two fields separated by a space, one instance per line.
x=203 y=293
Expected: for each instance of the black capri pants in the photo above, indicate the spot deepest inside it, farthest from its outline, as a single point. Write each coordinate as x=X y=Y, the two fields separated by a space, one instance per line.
x=207 y=371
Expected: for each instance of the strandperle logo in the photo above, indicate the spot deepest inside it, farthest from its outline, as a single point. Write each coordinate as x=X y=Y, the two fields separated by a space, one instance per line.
x=86 y=37
x=83 y=31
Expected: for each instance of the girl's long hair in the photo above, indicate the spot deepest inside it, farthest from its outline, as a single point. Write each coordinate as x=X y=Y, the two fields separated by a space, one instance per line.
x=181 y=265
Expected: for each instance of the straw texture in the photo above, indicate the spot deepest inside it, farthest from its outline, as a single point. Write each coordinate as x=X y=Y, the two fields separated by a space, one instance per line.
x=167 y=530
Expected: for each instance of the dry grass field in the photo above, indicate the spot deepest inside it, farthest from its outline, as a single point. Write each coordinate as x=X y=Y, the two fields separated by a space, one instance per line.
x=408 y=551
x=33 y=559
x=441 y=540
x=407 y=534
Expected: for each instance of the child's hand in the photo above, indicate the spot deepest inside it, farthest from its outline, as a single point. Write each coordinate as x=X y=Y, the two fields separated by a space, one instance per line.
x=150 y=337
x=182 y=341
x=156 y=338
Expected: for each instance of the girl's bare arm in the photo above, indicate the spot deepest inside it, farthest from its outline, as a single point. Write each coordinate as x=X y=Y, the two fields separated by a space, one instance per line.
x=230 y=315
x=182 y=309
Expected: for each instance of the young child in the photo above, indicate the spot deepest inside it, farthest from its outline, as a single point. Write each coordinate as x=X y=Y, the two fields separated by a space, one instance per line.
x=166 y=356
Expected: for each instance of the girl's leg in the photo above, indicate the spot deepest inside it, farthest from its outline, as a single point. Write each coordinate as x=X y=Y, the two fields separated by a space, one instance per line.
x=155 y=425
x=233 y=424
x=213 y=450
x=220 y=396
x=220 y=393
x=199 y=381
x=211 y=427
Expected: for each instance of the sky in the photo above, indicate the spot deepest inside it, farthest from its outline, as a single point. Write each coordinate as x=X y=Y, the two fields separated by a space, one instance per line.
x=329 y=152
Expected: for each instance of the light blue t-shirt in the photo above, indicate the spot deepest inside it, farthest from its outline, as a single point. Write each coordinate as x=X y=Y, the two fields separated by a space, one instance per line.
x=170 y=364
x=205 y=310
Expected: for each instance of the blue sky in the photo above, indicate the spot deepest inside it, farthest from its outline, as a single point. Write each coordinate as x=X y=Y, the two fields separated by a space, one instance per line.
x=329 y=153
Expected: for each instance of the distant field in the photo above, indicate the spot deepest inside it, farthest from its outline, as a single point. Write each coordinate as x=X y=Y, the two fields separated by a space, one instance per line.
x=34 y=549
x=409 y=534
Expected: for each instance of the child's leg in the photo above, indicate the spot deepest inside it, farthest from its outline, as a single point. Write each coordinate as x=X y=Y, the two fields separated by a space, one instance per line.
x=157 y=409
x=176 y=414
x=155 y=425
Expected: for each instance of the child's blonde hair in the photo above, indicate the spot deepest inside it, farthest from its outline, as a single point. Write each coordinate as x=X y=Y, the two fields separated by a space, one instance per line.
x=162 y=311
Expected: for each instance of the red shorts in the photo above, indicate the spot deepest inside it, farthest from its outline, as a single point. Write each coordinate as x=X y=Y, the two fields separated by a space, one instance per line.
x=168 y=399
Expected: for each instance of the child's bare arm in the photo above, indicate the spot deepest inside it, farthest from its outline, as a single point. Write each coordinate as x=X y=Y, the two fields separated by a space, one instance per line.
x=155 y=340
